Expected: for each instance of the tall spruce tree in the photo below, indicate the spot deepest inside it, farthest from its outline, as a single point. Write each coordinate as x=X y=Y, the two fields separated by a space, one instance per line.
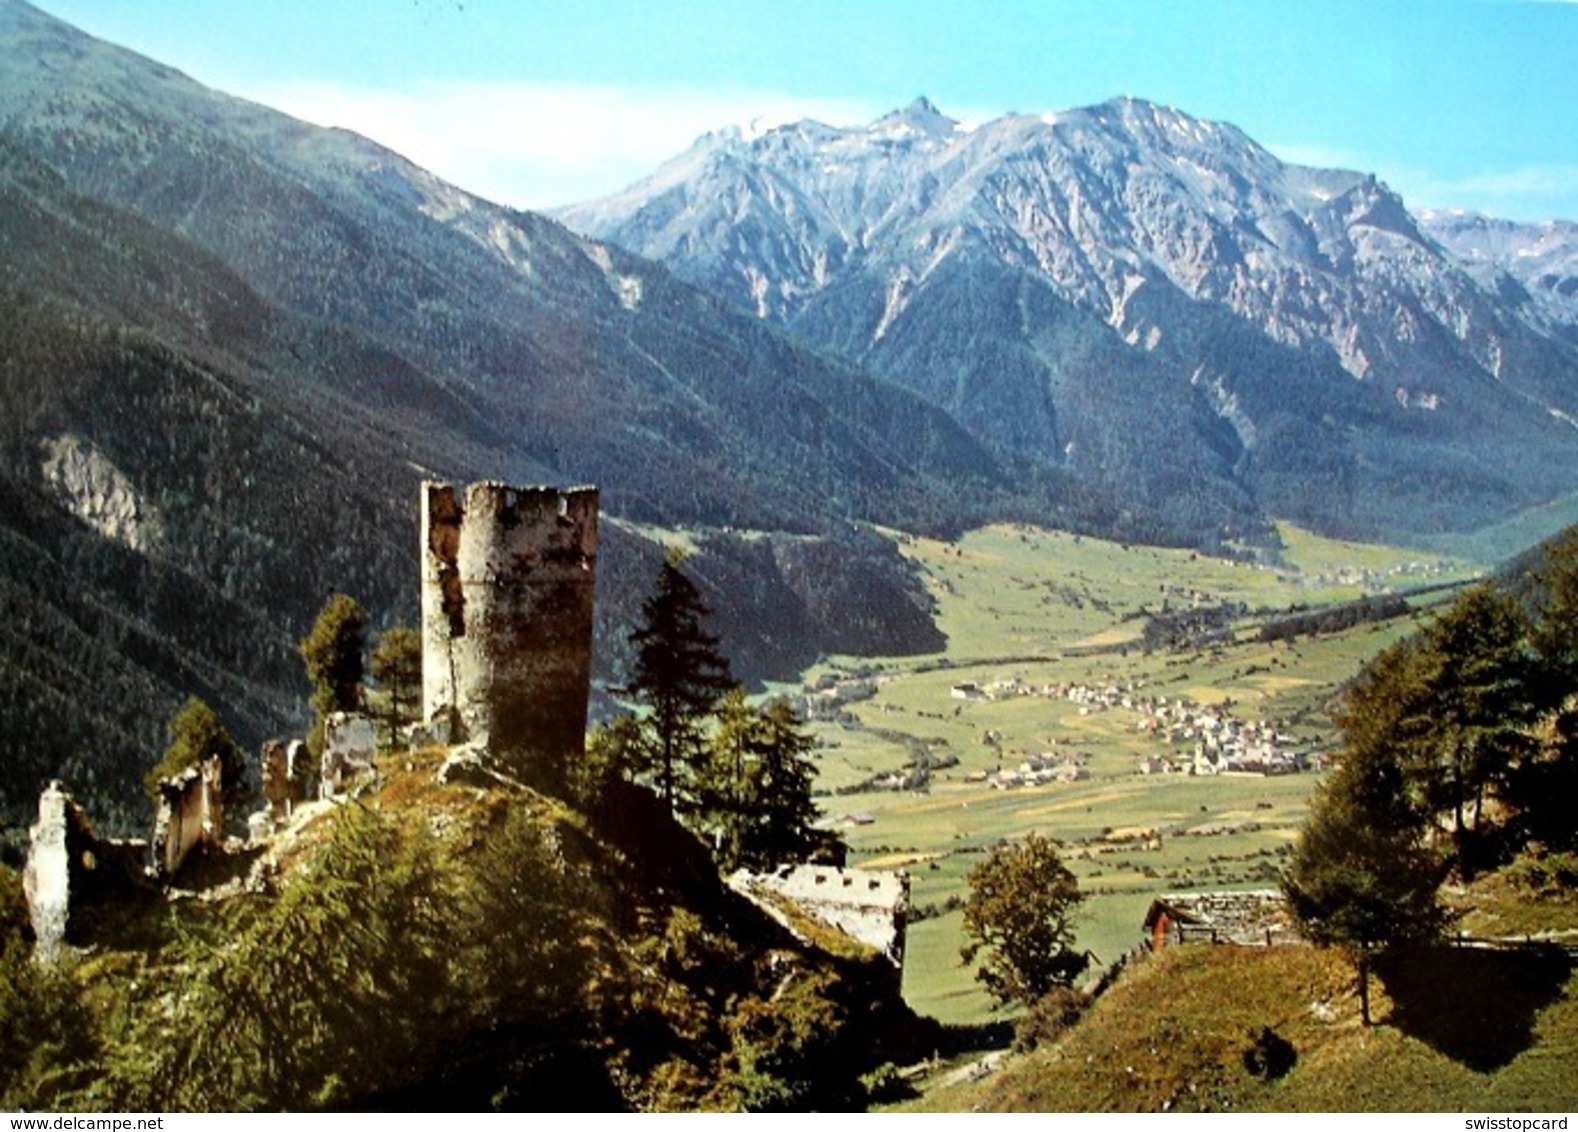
x=397 y=667
x=680 y=675
x=762 y=797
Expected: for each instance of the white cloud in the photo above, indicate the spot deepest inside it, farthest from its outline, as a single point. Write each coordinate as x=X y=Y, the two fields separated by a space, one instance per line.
x=1533 y=192
x=1529 y=181
x=541 y=145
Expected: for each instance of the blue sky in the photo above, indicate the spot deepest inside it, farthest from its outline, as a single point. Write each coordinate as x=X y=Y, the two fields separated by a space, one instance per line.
x=1454 y=103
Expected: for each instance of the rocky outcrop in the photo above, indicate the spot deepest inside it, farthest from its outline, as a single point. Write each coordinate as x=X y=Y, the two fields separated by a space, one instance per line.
x=87 y=484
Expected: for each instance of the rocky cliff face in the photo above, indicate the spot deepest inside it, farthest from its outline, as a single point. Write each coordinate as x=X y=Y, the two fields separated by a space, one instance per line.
x=1531 y=267
x=1061 y=280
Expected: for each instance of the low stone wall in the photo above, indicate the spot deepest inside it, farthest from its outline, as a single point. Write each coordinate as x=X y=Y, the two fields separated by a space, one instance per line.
x=867 y=905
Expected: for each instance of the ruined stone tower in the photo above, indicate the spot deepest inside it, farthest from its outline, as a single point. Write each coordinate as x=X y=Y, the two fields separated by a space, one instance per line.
x=507 y=581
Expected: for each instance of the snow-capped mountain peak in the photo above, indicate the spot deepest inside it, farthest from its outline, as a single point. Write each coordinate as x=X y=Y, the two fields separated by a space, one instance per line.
x=919 y=120
x=944 y=257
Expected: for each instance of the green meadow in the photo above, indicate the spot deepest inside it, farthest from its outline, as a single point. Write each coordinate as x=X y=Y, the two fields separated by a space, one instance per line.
x=1028 y=612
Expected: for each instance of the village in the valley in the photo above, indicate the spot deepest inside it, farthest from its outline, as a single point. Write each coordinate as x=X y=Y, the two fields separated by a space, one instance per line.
x=1189 y=738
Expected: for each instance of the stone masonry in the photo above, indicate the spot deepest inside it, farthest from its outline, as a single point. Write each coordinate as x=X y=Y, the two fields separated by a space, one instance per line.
x=865 y=904
x=50 y=859
x=508 y=575
x=285 y=776
x=190 y=813
x=69 y=867
x=350 y=751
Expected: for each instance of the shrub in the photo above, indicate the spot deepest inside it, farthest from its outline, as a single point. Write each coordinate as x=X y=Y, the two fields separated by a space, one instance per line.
x=1049 y=1017
x=1269 y=1055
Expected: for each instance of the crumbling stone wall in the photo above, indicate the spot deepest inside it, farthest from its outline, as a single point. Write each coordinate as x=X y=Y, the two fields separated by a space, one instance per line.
x=507 y=592
x=284 y=774
x=46 y=878
x=350 y=747
x=69 y=866
x=868 y=905
x=190 y=812
x=1257 y=916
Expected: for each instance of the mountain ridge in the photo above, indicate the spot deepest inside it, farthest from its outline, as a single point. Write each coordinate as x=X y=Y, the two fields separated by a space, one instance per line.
x=233 y=344
x=1305 y=308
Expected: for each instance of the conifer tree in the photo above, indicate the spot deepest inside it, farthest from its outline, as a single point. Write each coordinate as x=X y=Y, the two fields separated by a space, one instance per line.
x=679 y=674
x=1359 y=879
x=1443 y=721
x=1555 y=636
x=333 y=651
x=762 y=797
x=397 y=668
x=196 y=735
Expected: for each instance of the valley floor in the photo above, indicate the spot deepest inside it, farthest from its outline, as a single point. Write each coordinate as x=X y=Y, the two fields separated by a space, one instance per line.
x=1046 y=665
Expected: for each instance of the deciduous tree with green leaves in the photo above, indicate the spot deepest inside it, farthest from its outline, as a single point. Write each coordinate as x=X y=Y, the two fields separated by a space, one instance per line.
x=1019 y=918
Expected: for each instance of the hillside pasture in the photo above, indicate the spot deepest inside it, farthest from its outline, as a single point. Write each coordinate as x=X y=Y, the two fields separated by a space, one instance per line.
x=1030 y=614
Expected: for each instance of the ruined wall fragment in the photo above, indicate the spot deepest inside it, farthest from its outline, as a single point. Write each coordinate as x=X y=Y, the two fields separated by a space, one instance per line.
x=46 y=878
x=289 y=778
x=190 y=812
x=866 y=904
x=350 y=748
x=508 y=579
x=284 y=788
x=69 y=867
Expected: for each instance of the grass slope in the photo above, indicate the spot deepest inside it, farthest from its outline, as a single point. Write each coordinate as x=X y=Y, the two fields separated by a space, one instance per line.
x=1173 y=1034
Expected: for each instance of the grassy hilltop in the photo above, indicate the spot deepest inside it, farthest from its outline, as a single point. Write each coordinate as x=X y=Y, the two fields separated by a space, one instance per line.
x=447 y=947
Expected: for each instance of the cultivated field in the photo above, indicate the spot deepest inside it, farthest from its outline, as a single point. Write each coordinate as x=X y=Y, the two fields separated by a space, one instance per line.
x=1045 y=668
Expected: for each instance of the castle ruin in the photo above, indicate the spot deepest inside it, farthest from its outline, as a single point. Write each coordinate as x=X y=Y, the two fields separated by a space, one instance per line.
x=286 y=777
x=508 y=575
x=189 y=812
x=865 y=904
x=69 y=867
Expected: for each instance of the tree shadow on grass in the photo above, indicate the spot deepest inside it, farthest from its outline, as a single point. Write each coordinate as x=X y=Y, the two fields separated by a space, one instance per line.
x=958 y=1039
x=1476 y=1006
